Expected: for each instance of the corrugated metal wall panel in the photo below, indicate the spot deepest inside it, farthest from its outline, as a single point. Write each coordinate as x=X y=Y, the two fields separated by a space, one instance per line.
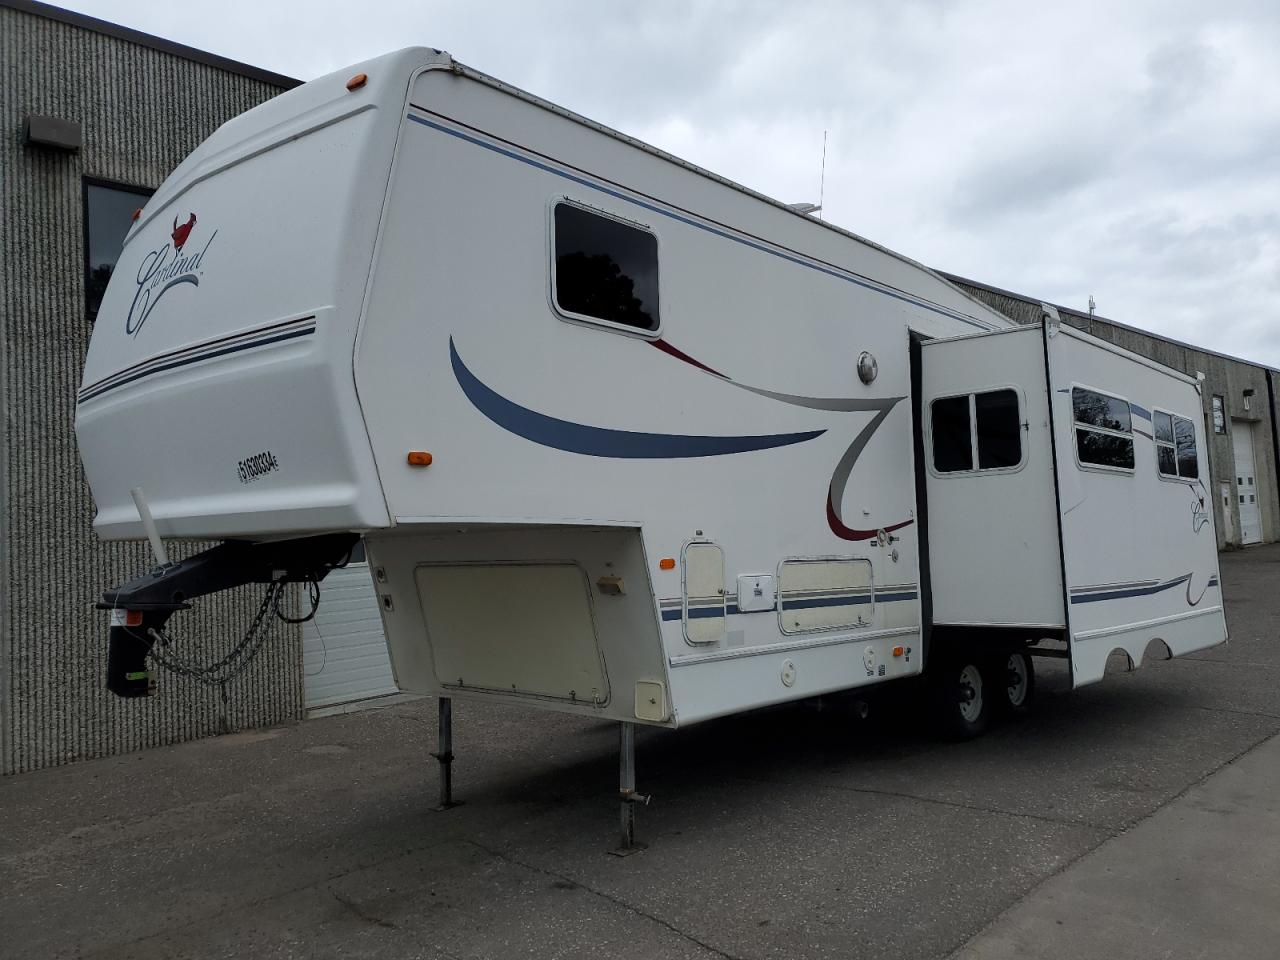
x=142 y=111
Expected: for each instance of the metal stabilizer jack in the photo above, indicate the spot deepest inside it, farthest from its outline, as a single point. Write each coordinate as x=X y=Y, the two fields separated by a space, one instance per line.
x=141 y=607
x=627 y=791
x=445 y=755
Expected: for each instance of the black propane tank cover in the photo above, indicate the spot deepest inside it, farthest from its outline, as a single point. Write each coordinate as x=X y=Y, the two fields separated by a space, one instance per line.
x=128 y=674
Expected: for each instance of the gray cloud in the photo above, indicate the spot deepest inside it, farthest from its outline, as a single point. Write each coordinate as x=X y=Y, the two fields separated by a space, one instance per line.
x=1125 y=150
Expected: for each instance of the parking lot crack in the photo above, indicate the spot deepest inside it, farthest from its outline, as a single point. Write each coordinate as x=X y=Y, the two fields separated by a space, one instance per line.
x=361 y=913
x=958 y=805
x=616 y=901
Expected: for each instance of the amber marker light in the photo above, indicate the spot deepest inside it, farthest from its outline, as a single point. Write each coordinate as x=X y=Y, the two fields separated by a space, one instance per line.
x=358 y=81
x=136 y=214
x=898 y=651
x=419 y=458
x=667 y=563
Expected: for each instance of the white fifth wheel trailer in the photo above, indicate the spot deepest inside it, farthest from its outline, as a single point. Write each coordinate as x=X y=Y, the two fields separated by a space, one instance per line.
x=623 y=439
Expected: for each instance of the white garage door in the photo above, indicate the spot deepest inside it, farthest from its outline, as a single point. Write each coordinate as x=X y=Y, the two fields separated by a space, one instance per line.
x=1246 y=483
x=344 y=652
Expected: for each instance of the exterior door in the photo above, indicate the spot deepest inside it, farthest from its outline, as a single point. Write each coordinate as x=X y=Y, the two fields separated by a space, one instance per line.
x=1246 y=483
x=344 y=651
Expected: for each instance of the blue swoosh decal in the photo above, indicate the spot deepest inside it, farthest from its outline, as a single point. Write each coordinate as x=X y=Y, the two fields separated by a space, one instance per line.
x=600 y=441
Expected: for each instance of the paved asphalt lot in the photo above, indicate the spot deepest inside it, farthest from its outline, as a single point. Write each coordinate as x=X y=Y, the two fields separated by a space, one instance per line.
x=1107 y=824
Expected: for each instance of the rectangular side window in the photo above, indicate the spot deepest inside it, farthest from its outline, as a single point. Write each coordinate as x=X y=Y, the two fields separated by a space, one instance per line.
x=1104 y=429
x=605 y=269
x=952 y=439
x=1162 y=434
x=108 y=215
x=1219 y=414
x=1175 y=439
x=1184 y=432
x=999 y=429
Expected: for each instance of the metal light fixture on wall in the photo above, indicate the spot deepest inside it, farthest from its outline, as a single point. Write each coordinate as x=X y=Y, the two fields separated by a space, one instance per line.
x=1247 y=394
x=867 y=367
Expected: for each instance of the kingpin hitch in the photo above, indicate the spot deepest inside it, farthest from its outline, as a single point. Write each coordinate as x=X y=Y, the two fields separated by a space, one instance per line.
x=141 y=607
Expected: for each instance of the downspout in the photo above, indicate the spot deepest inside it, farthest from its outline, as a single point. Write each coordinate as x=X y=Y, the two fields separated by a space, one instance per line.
x=1275 y=442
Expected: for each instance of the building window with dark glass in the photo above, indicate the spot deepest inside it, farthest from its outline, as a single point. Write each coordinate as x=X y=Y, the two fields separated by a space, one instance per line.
x=1219 y=414
x=605 y=269
x=108 y=215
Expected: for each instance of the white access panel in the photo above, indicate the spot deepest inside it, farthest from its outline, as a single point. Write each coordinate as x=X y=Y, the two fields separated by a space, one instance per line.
x=993 y=531
x=344 y=651
x=1246 y=482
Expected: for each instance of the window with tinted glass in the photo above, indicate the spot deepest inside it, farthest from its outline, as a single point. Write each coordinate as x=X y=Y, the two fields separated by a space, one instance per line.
x=108 y=215
x=1103 y=428
x=978 y=428
x=999 y=429
x=605 y=269
x=952 y=438
x=1175 y=440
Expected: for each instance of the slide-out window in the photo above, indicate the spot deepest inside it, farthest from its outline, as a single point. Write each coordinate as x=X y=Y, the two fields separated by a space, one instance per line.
x=1103 y=428
x=976 y=431
x=605 y=269
x=1175 y=439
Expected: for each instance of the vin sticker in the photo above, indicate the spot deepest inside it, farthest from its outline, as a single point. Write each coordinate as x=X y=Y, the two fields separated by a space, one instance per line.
x=258 y=465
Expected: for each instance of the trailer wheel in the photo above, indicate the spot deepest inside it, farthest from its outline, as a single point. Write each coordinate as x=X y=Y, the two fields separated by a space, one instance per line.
x=1014 y=679
x=961 y=699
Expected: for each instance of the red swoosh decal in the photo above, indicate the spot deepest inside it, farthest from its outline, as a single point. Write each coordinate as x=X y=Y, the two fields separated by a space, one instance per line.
x=847 y=533
x=681 y=355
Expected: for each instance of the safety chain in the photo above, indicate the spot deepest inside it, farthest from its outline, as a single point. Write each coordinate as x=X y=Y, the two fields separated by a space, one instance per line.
x=222 y=672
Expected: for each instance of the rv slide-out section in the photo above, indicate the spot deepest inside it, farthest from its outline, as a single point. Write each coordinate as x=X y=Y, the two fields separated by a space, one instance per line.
x=1066 y=497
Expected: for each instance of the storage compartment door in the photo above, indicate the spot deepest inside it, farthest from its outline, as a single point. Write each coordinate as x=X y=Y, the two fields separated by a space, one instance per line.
x=993 y=532
x=522 y=628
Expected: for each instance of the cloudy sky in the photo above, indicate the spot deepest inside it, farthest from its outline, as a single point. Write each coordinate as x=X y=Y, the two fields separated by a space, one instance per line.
x=1126 y=150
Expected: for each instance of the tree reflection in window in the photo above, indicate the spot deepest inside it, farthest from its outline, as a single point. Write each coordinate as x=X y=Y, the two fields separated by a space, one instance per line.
x=1104 y=429
x=1175 y=440
x=605 y=269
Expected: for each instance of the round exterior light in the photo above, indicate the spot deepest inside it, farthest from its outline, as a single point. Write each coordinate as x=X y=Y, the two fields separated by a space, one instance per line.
x=867 y=367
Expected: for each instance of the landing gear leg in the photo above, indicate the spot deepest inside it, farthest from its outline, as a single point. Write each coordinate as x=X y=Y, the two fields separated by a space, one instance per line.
x=445 y=755
x=627 y=790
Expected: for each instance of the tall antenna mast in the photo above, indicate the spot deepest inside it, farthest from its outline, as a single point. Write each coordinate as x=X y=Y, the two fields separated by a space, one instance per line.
x=822 y=182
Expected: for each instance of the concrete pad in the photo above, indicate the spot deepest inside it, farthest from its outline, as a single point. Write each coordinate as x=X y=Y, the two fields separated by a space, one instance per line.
x=785 y=833
x=1200 y=878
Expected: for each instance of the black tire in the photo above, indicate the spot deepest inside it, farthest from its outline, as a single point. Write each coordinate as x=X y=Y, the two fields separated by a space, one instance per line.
x=1012 y=679
x=960 y=696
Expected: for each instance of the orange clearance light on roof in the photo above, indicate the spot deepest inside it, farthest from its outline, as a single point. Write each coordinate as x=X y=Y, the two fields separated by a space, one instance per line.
x=667 y=563
x=358 y=81
x=419 y=458
x=136 y=214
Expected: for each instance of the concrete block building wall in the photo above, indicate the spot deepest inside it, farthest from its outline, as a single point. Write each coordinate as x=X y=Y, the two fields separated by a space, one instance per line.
x=1226 y=377
x=141 y=109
